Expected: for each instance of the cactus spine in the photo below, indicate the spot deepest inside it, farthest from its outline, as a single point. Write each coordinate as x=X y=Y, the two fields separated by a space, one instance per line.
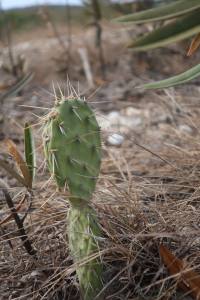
x=72 y=147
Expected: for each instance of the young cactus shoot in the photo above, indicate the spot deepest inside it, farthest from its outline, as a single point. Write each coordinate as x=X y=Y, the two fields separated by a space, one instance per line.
x=72 y=146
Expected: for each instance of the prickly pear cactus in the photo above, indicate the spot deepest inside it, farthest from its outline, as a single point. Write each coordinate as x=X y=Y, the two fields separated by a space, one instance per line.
x=72 y=147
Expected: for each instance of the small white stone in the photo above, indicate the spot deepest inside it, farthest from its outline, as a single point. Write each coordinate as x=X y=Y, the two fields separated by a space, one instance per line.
x=132 y=111
x=113 y=115
x=185 y=128
x=130 y=122
x=104 y=123
x=115 y=139
x=34 y=98
x=35 y=273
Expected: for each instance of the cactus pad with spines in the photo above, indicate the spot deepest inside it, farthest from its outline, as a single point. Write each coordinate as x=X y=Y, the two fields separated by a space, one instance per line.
x=73 y=147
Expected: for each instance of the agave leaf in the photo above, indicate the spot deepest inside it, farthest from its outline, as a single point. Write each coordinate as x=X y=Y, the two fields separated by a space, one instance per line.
x=173 y=32
x=169 y=11
x=175 y=80
x=29 y=150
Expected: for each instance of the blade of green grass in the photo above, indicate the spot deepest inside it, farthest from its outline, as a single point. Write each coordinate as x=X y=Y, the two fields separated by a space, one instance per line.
x=29 y=150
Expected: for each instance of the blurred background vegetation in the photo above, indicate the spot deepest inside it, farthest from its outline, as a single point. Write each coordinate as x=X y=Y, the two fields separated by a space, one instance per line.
x=29 y=17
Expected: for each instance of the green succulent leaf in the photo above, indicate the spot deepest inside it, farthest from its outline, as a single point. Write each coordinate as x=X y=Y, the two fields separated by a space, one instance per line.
x=29 y=150
x=177 y=30
x=163 y=12
x=187 y=24
x=175 y=80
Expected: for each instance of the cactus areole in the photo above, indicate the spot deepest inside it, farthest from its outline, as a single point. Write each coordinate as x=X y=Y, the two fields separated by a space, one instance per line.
x=72 y=146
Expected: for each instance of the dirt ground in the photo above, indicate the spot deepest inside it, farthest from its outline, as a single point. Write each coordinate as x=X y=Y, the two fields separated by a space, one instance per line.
x=148 y=190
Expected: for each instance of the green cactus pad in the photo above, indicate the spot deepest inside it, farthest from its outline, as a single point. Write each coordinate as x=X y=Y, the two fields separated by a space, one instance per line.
x=83 y=233
x=73 y=147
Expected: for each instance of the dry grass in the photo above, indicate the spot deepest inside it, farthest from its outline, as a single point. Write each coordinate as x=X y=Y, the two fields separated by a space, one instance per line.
x=143 y=198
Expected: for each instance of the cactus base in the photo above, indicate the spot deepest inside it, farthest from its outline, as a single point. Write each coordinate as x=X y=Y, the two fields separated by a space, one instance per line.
x=83 y=233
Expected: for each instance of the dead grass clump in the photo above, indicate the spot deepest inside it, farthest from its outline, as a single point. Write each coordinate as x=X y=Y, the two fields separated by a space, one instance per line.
x=148 y=193
x=137 y=213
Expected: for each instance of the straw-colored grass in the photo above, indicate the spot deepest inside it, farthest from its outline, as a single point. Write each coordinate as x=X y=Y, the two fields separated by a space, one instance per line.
x=145 y=196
